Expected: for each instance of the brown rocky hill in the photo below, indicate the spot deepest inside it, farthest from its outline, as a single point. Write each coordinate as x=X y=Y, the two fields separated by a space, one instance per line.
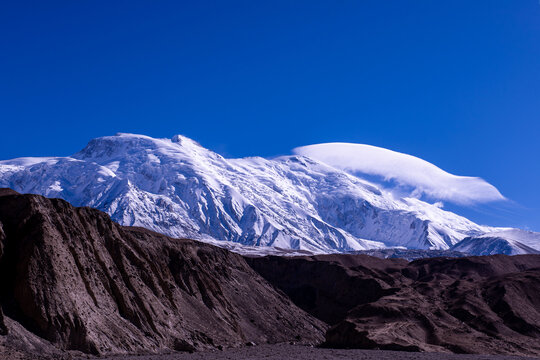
x=73 y=278
x=488 y=305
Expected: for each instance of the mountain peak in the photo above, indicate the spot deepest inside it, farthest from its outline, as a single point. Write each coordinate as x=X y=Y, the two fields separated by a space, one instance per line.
x=125 y=145
x=177 y=187
x=183 y=140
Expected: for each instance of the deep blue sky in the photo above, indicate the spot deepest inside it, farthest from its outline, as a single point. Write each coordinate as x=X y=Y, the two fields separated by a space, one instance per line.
x=454 y=82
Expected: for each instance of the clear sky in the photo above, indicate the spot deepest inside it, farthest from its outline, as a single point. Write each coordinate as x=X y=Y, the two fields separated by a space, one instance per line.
x=456 y=83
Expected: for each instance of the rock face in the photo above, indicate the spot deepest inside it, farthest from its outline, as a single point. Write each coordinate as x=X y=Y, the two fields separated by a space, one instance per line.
x=73 y=279
x=328 y=286
x=463 y=305
x=76 y=279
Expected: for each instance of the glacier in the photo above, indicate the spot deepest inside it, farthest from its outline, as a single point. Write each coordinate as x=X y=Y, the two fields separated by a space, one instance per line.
x=181 y=189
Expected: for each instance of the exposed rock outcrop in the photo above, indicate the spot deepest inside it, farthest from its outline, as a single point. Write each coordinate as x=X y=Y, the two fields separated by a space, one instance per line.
x=74 y=280
x=328 y=286
x=463 y=305
x=79 y=281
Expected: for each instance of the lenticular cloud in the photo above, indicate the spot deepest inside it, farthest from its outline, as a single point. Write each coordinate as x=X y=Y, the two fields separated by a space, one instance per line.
x=406 y=170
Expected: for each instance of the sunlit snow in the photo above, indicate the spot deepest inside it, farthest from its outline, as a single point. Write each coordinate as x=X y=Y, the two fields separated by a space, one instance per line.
x=179 y=188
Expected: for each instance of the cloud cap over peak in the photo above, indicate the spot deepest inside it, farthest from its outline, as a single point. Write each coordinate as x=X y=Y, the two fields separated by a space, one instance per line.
x=406 y=170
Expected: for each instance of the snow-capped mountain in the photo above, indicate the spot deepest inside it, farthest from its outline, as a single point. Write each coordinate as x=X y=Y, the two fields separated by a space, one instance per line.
x=177 y=187
x=504 y=241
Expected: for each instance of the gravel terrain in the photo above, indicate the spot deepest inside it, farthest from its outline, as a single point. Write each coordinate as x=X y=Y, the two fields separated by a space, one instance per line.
x=286 y=351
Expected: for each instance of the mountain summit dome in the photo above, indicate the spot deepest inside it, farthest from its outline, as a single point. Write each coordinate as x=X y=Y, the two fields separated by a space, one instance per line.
x=179 y=188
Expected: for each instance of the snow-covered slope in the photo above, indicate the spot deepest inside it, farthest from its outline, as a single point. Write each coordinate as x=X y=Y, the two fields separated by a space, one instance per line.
x=503 y=241
x=179 y=188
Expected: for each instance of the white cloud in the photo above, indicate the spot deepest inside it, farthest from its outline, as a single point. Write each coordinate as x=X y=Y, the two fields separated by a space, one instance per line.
x=405 y=170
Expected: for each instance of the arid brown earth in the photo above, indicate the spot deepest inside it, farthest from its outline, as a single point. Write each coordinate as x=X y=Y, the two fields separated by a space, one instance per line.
x=75 y=283
x=74 y=279
x=296 y=352
x=476 y=305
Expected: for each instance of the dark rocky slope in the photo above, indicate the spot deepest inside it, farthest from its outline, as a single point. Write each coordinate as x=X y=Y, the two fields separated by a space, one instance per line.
x=476 y=305
x=73 y=278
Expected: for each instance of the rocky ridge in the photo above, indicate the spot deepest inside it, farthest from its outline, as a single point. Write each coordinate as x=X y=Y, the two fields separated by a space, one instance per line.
x=476 y=305
x=75 y=279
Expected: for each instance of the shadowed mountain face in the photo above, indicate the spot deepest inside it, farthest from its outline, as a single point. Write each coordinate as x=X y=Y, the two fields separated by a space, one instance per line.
x=79 y=281
x=465 y=305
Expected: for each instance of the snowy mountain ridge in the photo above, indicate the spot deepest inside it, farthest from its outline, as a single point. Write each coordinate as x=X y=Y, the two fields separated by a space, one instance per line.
x=503 y=241
x=177 y=187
